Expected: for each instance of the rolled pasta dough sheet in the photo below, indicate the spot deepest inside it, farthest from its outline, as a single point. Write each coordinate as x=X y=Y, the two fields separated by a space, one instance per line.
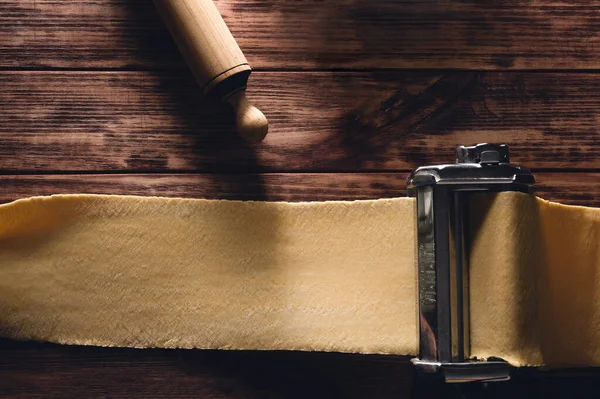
x=177 y=273
x=322 y=276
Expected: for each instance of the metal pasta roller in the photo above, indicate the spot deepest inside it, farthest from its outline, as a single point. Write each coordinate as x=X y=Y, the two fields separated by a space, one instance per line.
x=442 y=193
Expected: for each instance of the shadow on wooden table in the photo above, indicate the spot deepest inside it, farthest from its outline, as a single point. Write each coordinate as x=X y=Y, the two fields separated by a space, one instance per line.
x=207 y=125
x=28 y=368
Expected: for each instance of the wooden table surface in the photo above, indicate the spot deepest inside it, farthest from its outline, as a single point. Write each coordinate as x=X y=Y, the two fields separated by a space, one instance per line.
x=94 y=98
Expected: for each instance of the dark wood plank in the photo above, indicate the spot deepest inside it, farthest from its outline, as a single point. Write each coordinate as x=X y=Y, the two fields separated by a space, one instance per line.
x=342 y=34
x=156 y=122
x=263 y=187
x=31 y=369
x=567 y=188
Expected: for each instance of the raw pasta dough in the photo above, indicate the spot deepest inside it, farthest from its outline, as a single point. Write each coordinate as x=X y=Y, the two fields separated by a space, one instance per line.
x=158 y=272
x=534 y=281
x=330 y=276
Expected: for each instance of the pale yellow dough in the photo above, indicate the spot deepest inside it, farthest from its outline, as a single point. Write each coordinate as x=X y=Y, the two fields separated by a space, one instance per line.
x=535 y=276
x=331 y=276
x=158 y=272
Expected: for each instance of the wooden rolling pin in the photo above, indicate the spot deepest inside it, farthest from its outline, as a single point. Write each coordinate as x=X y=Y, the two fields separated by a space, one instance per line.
x=215 y=58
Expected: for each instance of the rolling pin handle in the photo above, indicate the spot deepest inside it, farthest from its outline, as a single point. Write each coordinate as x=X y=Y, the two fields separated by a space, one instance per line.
x=251 y=123
x=214 y=57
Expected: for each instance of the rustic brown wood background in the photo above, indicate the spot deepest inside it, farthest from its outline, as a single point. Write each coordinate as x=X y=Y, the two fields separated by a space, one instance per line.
x=95 y=98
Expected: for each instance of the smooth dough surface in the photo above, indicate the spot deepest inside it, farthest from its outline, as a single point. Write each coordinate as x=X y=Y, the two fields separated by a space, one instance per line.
x=322 y=276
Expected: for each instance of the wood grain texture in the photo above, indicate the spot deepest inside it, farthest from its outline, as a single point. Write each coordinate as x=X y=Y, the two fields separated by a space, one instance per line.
x=263 y=187
x=52 y=371
x=567 y=188
x=156 y=122
x=33 y=370
x=146 y=116
x=343 y=34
